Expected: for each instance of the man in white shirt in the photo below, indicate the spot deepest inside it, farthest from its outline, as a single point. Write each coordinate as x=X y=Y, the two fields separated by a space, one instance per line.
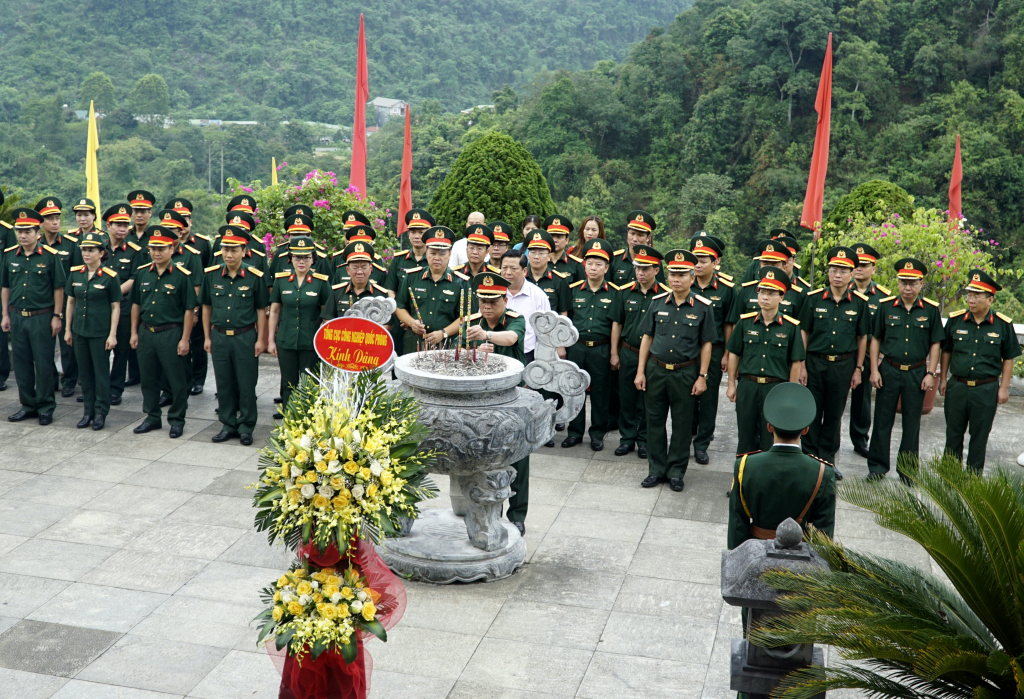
x=459 y=257
x=525 y=299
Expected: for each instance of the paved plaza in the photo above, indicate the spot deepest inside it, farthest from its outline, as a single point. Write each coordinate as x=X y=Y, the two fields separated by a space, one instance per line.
x=129 y=569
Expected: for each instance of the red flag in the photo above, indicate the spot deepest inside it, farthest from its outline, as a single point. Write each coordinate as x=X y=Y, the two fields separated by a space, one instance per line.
x=357 y=178
x=405 y=191
x=811 y=217
x=955 y=210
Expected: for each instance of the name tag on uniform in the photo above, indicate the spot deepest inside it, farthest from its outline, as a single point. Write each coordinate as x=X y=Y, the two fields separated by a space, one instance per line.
x=218 y=286
x=632 y=303
x=448 y=291
x=580 y=300
x=993 y=334
x=662 y=313
x=851 y=313
x=961 y=332
x=287 y=292
x=423 y=290
x=924 y=318
x=821 y=310
x=243 y=288
x=752 y=332
x=312 y=293
x=691 y=316
x=606 y=300
x=76 y=284
x=125 y=261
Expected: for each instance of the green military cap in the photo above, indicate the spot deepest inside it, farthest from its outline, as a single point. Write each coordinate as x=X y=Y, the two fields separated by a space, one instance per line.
x=773 y=251
x=791 y=243
x=416 y=218
x=118 y=213
x=439 y=237
x=47 y=206
x=680 y=260
x=358 y=251
x=349 y=219
x=910 y=268
x=865 y=253
x=172 y=219
x=181 y=205
x=233 y=235
x=298 y=224
x=489 y=285
x=773 y=278
x=479 y=234
x=26 y=217
x=705 y=234
x=707 y=245
x=240 y=219
x=243 y=202
x=640 y=221
x=501 y=231
x=779 y=233
x=842 y=256
x=141 y=199
x=559 y=224
x=84 y=205
x=161 y=236
x=301 y=245
x=599 y=248
x=646 y=256
x=540 y=239
x=789 y=407
x=980 y=280
x=92 y=239
x=302 y=210
x=363 y=233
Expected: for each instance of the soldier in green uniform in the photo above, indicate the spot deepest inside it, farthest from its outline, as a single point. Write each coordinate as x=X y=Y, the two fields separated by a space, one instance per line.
x=631 y=304
x=978 y=350
x=7 y=239
x=301 y=226
x=163 y=311
x=32 y=292
x=791 y=267
x=639 y=227
x=771 y=253
x=295 y=304
x=772 y=486
x=765 y=348
x=358 y=284
x=501 y=234
x=755 y=264
x=860 y=397
x=559 y=227
x=125 y=258
x=835 y=325
x=435 y=314
x=713 y=286
x=417 y=222
x=141 y=203
x=252 y=257
x=678 y=331
x=234 y=299
x=67 y=250
x=85 y=217
x=593 y=299
x=367 y=236
x=538 y=250
x=478 y=241
x=502 y=331
x=245 y=221
x=94 y=310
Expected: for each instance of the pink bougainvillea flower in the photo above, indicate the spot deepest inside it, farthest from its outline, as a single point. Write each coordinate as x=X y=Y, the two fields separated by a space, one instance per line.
x=322 y=204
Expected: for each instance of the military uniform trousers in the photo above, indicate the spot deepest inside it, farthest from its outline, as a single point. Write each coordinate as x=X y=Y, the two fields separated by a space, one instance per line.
x=93 y=359
x=751 y=427
x=520 y=500
x=903 y=387
x=293 y=364
x=973 y=408
x=32 y=357
x=158 y=362
x=860 y=411
x=669 y=390
x=705 y=412
x=122 y=350
x=236 y=370
x=5 y=357
x=595 y=361
x=197 y=355
x=68 y=360
x=829 y=383
x=632 y=410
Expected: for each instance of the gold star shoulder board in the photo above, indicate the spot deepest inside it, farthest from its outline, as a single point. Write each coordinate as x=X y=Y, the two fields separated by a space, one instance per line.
x=791 y=319
x=1005 y=317
x=816 y=291
x=148 y=265
x=703 y=300
x=888 y=298
x=204 y=237
x=321 y=254
x=573 y=257
x=187 y=273
x=211 y=268
x=218 y=253
x=70 y=237
x=413 y=269
x=50 y=250
x=110 y=272
x=282 y=274
x=494 y=269
x=863 y=297
x=746 y=284
x=134 y=247
x=660 y=296
x=563 y=275
x=338 y=285
x=321 y=277
x=882 y=289
x=617 y=288
x=378 y=286
x=513 y=314
x=581 y=282
x=255 y=271
x=619 y=252
x=382 y=269
x=13 y=247
x=78 y=268
x=5 y=224
x=665 y=288
x=804 y=281
x=259 y=252
x=401 y=253
x=797 y=289
x=930 y=301
x=726 y=282
x=954 y=314
x=461 y=276
x=744 y=316
x=475 y=316
x=337 y=252
x=628 y=287
x=191 y=249
x=723 y=275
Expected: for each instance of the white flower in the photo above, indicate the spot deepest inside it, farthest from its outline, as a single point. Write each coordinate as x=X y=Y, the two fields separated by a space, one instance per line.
x=336 y=597
x=327 y=491
x=385 y=462
x=307 y=441
x=317 y=455
x=375 y=468
x=304 y=600
x=361 y=596
x=334 y=466
x=290 y=483
x=287 y=595
x=357 y=491
x=308 y=491
x=356 y=606
x=315 y=584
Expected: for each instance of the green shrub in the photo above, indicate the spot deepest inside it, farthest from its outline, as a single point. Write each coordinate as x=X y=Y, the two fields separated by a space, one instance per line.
x=876 y=199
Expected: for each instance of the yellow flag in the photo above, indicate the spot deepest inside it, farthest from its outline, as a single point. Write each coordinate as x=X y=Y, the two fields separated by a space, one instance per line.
x=92 y=175
x=273 y=171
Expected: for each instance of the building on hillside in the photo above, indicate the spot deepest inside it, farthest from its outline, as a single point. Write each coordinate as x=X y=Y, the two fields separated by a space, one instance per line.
x=481 y=107
x=387 y=108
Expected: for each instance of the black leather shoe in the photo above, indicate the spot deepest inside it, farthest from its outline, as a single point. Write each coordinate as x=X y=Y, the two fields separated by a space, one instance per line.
x=860 y=451
x=195 y=390
x=115 y=400
x=132 y=382
x=84 y=422
x=45 y=419
x=80 y=399
x=223 y=436
x=176 y=431
x=145 y=427
x=876 y=477
x=246 y=439
x=98 y=422
x=22 y=415
x=596 y=444
x=560 y=427
x=3 y=385
x=570 y=442
x=165 y=401
x=641 y=451
x=521 y=526
x=277 y=400
x=700 y=456
x=675 y=484
x=624 y=449
x=839 y=475
x=277 y=416
x=651 y=481
x=67 y=391
x=550 y=443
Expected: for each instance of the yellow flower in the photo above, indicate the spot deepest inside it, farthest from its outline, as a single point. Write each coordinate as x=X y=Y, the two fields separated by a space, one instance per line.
x=277 y=596
x=277 y=613
x=351 y=467
x=366 y=474
x=332 y=580
x=337 y=482
x=328 y=611
x=320 y=501
x=386 y=478
x=283 y=581
x=347 y=593
x=285 y=471
x=343 y=611
x=341 y=500
x=294 y=608
x=369 y=610
x=294 y=496
x=291 y=451
x=304 y=588
x=317 y=597
x=299 y=572
x=321 y=466
x=332 y=455
x=318 y=576
x=371 y=491
x=302 y=457
x=330 y=589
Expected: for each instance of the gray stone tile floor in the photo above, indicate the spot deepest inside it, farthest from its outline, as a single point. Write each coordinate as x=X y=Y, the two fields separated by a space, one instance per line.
x=129 y=569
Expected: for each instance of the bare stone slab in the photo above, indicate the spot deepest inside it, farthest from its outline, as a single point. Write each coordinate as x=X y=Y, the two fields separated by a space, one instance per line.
x=631 y=677
x=235 y=484
x=163 y=474
x=571 y=586
x=587 y=553
x=543 y=623
x=187 y=539
x=60 y=491
x=21 y=594
x=669 y=638
x=595 y=496
x=386 y=685
x=148 y=571
x=677 y=563
x=414 y=651
x=703 y=498
x=528 y=666
x=79 y=689
x=600 y=524
x=240 y=675
x=95 y=527
x=75 y=559
x=111 y=465
x=218 y=510
x=98 y=607
x=52 y=649
x=669 y=597
x=139 y=501
x=156 y=664
x=29 y=685
x=252 y=549
x=22 y=518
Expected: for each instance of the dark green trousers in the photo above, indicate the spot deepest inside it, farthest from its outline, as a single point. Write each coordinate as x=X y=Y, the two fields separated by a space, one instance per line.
x=614 y=407
x=705 y=412
x=5 y=357
x=159 y=361
x=520 y=500
x=903 y=387
x=68 y=362
x=32 y=357
x=94 y=369
x=595 y=361
x=860 y=412
x=632 y=410
x=121 y=352
x=197 y=355
x=293 y=364
x=829 y=383
x=235 y=369
x=973 y=408
x=398 y=334
x=669 y=390
x=751 y=427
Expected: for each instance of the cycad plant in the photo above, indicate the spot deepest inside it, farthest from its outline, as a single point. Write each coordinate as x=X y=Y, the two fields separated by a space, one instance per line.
x=904 y=632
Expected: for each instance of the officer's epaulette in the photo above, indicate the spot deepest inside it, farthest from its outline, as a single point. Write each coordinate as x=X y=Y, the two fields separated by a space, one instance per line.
x=573 y=257
x=51 y=250
x=930 y=301
x=78 y=268
x=401 y=253
x=191 y=249
x=628 y=287
x=382 y=269
x=797 y=289
x=746 y=284
x=211 y=268
x=659 y=296
x=321 y=277
x=954 y=314
x=336 y=253
x=791 y=319
x=255 y=271
x=70 y=237
x=475 y=316
x=581 y=282
x=338 y=285
x=109 y=271
x=513 y=314
x=282 y=274
x=744 y=316
x=6 y=225
x=663 y=286
x=726 y=282
x=804 y=281
x=563 y=275
x=1003 y=316
x=702 y=299
x=830 y=465
x=134 y=247
x=888 y=298
x=460 y=275
x=749 y=453
x=617 y=288
x=372 y=283
x=217 y=254
x=11 y=248
x=204 y=237
x=619 y=252
x=727 y=277
x=413 y=269
x=178 y=265
x=148 y=265
x=259 y=252
x=494 y=269
x=882 y=288
x=863 y=296
x=321 y=253
x=817 y=291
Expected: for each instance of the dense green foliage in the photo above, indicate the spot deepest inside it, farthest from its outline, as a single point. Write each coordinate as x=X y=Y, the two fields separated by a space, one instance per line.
x=869 y=198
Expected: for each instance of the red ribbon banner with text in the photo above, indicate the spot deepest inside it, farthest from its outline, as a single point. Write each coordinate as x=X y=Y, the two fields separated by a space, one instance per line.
x=353 y=344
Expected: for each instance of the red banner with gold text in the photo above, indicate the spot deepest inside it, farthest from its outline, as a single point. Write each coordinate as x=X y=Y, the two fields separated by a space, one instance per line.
x=353 y=344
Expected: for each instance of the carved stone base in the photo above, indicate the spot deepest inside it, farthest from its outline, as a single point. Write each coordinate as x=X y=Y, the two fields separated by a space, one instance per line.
x=438 y=551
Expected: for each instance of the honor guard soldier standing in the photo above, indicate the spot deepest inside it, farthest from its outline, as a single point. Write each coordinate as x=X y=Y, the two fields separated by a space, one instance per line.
x=7 y=239
x=678 y=331
x=501 y=234
x=719 y=291
x=755 y=264
x=85 y=217
x=428 y=299
x=631 y=304
x=979 y=350
x=417 y=222
x=765 y=348
x=860 y=397
x=202 y=243
x=907 y=333
x=538 y=252
x=771 y=253
x=559 y=227
x=32 y=282
x=163 y=303
x=125 y=258
x=141 y=203
x=67 y=251
x=478 y=241
x=592 y=301
x=358 y=262
x=358 y=234
x=94 y=310
x=234 y=300
x=639 y=227
x=298 y=297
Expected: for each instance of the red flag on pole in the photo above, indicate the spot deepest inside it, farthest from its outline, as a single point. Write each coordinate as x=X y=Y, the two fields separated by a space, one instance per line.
x=357 y=177
x=405 y=191
x=811 y=217
x=955 y=210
